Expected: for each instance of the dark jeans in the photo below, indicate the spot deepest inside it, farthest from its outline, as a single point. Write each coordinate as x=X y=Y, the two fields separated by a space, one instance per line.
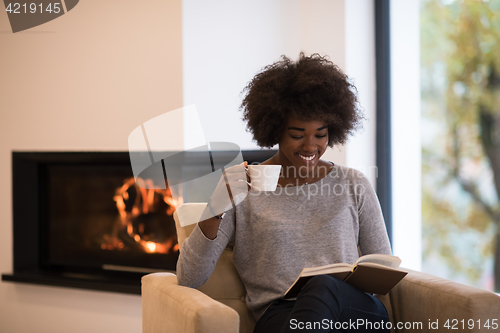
x=326 y=304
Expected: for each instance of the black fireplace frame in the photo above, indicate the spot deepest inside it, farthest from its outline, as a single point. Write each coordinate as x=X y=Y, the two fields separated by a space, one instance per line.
x=28 y=248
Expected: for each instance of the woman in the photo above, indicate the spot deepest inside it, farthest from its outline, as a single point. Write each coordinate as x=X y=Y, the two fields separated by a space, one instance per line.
x=320 y=213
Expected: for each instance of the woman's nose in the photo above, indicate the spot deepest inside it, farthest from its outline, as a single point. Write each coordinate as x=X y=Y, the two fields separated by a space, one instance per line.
x=309 y=145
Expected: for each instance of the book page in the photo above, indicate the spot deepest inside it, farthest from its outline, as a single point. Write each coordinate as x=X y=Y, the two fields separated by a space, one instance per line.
x=327 y=269
x=380 y=259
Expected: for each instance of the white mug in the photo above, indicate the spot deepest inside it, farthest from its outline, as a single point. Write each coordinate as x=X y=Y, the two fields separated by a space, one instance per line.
x=264 y=177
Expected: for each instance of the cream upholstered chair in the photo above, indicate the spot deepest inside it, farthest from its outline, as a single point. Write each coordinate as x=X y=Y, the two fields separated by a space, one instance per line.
x=219 y=305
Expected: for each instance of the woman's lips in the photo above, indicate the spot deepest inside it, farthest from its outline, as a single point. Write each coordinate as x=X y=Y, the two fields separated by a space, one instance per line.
x=307 y=158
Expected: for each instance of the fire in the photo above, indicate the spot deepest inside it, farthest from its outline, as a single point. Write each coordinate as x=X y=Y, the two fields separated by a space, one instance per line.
x=135 y=207
x=151 y=246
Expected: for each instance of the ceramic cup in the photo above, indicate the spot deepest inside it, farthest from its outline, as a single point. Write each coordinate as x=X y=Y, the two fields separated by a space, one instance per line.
x=264 y=177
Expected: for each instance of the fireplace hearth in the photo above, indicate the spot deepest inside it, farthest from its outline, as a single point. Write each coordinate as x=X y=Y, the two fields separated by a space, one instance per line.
x=80 y=220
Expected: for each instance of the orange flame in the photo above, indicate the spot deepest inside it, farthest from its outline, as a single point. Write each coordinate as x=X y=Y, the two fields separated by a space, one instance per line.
x=145 y=202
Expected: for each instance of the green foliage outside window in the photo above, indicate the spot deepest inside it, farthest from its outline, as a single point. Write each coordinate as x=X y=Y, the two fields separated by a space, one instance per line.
x=460 y=87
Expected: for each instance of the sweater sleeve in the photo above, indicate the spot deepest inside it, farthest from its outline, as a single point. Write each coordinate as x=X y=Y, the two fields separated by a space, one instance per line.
x=199 y=254
x=373 y=236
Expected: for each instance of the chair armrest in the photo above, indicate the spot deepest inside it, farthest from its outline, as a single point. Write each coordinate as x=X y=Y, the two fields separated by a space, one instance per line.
x=168 y=307
x=421 y=297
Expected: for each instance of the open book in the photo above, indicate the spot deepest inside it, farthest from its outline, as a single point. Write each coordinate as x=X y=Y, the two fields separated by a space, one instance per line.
x=373 y=273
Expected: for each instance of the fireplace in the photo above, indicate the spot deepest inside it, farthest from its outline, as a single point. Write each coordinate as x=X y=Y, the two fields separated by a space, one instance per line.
x=80 y=220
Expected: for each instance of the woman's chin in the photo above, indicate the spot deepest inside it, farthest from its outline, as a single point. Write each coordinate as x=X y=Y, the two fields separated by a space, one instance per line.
x=304 y=169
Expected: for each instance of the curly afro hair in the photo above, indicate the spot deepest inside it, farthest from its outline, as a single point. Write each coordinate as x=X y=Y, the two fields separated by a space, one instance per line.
x=313 y=88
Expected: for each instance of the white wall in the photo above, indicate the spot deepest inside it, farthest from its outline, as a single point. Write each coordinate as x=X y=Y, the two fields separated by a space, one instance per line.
x=360 y=67
x=323 y=32
x=81 y=82
x=225 y=43
x=406 y=147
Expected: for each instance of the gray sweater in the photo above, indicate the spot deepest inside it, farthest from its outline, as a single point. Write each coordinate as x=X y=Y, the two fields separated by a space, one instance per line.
x=276 y=234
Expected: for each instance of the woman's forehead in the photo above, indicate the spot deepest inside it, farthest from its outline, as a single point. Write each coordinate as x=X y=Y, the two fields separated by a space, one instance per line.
x=294 y=121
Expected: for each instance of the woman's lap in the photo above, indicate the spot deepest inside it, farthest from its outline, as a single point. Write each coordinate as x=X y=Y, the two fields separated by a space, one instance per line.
x=325 y=304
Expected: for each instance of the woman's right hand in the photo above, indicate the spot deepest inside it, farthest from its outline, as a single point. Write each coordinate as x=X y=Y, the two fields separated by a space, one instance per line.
x=232 y=189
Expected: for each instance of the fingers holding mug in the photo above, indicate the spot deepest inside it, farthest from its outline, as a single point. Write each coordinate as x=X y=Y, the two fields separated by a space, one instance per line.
x=249 y=183
x=237 y=185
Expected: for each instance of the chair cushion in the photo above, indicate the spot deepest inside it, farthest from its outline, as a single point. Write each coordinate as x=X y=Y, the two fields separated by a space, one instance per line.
x=168 y=307
x=427 y=298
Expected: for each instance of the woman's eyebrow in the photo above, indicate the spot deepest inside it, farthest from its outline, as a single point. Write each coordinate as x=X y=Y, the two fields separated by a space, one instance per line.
x=303 y=129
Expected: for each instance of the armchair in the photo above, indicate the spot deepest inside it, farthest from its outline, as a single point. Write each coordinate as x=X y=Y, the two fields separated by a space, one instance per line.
x=219 y=305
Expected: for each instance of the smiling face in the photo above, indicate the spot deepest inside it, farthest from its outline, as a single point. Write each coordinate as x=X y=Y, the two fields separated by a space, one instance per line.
x=301 y=145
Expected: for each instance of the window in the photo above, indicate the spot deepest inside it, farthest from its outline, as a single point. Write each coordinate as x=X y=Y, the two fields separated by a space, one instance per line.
x=445 y=63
